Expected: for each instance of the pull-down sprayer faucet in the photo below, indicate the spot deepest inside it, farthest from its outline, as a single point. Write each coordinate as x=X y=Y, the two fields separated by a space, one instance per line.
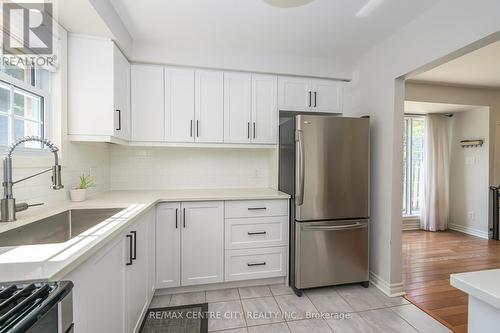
x=8 y=204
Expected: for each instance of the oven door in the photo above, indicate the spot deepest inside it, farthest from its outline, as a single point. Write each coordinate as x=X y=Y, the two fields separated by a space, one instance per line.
x=330 y=253
x=58 y=319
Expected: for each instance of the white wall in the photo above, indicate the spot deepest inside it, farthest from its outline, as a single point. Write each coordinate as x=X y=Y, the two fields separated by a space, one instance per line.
x=469 y=169
x=448 y=28
x=183 y=168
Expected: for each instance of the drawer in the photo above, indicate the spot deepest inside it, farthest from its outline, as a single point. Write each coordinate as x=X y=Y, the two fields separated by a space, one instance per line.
x=253 y=208
x=255 y=263
x=252 y=232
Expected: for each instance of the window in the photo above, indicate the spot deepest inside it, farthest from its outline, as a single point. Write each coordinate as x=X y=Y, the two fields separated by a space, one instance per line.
x=23 y=100
x=413 y=155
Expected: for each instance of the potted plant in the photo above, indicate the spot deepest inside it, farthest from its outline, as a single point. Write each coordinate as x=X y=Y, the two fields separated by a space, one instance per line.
x=79 y=193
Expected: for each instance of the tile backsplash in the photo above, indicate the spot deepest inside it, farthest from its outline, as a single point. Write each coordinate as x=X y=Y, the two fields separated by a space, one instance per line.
x=185 y=168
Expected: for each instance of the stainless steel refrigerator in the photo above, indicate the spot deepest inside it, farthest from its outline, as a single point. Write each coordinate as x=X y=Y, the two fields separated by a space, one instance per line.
x=324 y=166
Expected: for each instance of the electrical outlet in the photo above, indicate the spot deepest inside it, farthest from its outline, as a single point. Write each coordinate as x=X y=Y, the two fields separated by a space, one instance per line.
x=471 y=216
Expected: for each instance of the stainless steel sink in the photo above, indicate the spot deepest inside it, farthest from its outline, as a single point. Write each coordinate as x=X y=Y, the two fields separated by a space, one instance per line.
x=56 y=228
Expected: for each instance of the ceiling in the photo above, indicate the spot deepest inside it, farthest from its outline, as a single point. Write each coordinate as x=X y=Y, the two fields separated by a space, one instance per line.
x=425 y=108
x=479 y=68
x=321 y=28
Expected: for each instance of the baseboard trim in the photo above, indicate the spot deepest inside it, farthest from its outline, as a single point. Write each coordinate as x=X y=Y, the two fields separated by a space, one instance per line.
x=391 y=290
x=469 y=231
x=222 y=285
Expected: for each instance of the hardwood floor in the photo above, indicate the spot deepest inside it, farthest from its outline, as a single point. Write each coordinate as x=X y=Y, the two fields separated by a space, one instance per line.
x=428 y=260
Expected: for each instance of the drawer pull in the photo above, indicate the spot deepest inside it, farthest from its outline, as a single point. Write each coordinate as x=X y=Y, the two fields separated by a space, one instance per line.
x=252 y=264
x=253 y=233
x=257 y=208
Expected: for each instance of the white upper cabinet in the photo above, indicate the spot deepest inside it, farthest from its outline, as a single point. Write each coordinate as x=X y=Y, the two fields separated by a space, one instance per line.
x=264 y=109
x=121 y=85
x=294 y=93
x=98 y=91
x=179 y=105
x=237 y=107
x=147 y=103
x=327 y=96
x=209 y=106
x=312 y=95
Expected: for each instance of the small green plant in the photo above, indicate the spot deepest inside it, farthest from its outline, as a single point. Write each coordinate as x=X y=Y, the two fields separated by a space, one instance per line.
x=85 y=182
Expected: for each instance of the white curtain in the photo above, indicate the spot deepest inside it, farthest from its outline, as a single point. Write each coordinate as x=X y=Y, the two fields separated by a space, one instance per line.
x=436 y=175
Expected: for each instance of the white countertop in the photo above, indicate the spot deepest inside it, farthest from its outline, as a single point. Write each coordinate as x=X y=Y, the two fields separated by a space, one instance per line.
x=54 y=261
x=483 y=285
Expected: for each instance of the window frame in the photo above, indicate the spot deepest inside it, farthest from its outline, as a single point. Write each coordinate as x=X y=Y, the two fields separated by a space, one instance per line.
x=45 y=106
x=408 y=168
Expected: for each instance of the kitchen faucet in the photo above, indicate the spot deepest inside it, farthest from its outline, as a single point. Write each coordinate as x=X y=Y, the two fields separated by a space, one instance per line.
x=8 y=204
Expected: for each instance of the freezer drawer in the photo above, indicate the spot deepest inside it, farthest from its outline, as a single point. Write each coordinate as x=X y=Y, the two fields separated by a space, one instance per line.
x=331 y=252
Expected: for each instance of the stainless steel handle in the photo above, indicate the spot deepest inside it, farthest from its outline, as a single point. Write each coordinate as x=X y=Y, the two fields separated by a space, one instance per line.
x=252 y=264
x=254 y=129
x=299 y=196
x=253 y=233
x=335 y=227
x=248 y=130
x=315 y=98
x=176 y=218
x=197 y=128
x=310 y=98
x=257 y=208
x=191 y=128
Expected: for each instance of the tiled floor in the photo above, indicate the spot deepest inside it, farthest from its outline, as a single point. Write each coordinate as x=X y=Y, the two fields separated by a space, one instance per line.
x=276 y=309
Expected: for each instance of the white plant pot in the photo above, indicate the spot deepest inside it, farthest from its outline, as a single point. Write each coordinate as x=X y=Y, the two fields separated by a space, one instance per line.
x=78 y=194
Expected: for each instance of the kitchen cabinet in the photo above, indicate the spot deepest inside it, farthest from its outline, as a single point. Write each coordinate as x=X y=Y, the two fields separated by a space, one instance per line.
x=209 y=106
x=113 y=287
x=190 y=243
x=237 y=107
x=179 y=105
x=264 y=109
x=313 y=95
x=147 y=100
x=250 y=108
x=137 y=289
x=103 y=274
x=98 y=68
x=168 y=245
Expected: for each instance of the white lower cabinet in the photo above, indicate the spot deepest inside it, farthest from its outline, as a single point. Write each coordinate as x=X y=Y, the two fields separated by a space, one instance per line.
x=256 y=263
x=190 y=243
x=112 y=289
x=168 y=245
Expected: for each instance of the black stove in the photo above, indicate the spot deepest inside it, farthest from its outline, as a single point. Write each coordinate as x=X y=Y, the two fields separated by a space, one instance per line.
x=36 y=307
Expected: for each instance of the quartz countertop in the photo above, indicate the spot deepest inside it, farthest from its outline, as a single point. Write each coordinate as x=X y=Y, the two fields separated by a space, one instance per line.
x=54 y=261
x=483 y=285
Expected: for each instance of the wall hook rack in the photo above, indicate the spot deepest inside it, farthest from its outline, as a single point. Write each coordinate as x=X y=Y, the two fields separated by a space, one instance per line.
x=471 y=143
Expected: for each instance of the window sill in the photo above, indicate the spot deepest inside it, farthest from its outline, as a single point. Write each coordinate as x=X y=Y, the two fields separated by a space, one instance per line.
x=411 y=217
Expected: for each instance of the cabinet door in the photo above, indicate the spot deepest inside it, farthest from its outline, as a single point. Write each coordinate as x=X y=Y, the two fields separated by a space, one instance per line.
x=202 y=242
x=168 y=245
x=179 y=105
x=264 y=109
x=122 y=95
x=137 y=274
x=237 y=107
x=147 y=103
x=295 y=94
x=209 y=106
x=98 y=294
x=152 y=254
x=327 y=96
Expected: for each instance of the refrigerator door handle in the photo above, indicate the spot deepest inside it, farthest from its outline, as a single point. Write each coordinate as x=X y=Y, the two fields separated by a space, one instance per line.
x=336 y=227
x=299 y=196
